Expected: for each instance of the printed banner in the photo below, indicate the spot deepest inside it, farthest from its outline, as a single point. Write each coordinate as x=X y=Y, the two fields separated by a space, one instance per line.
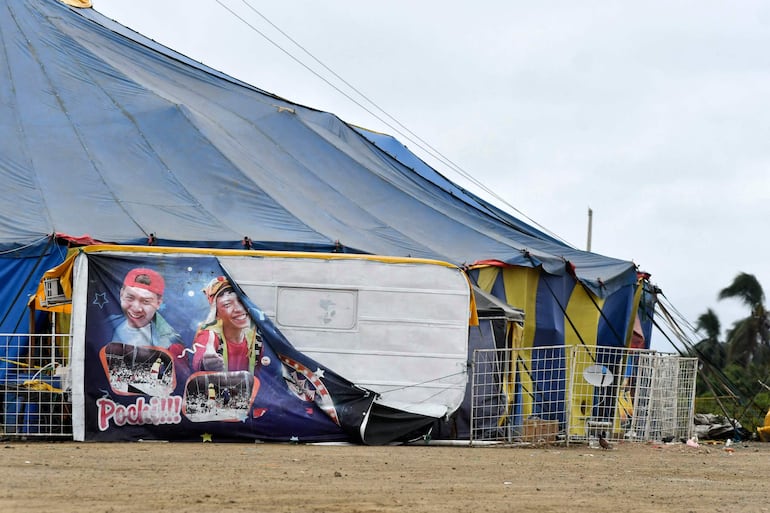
x=176 y=351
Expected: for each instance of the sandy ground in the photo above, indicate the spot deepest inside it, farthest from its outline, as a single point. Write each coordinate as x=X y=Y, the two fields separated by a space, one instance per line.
x=208 y=477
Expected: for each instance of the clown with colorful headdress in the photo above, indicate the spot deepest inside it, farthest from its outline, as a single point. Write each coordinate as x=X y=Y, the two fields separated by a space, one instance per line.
x=228 y=340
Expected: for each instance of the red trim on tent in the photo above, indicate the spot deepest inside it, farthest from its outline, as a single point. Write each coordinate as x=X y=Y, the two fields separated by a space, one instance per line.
x=494 y=263
x=83 y=240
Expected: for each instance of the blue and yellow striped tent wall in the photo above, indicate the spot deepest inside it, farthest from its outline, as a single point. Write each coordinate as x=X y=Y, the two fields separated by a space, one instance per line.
x=559 y=312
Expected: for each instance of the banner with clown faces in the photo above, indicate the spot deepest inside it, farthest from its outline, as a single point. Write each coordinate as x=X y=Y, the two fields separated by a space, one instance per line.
x=174 y=350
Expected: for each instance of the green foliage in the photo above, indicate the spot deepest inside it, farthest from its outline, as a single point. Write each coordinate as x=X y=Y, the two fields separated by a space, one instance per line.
x=749 y=339
x=730 y=381
x=709 y=324
x=754 y=414
x=746 y=288
x=708 y=403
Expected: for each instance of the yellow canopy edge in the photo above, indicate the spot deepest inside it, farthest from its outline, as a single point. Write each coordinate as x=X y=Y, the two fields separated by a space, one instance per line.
x=62 y=271
x=82 y=4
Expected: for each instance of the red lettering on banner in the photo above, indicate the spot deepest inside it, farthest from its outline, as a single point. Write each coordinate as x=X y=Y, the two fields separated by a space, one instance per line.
x=106 y=411
x=156 y=411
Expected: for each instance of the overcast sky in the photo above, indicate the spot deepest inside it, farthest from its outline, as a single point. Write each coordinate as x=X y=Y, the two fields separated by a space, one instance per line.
x=655 y=115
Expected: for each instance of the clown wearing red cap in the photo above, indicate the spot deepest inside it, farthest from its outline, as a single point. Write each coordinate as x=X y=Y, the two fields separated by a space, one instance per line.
x=140 y=324
x=228 y=340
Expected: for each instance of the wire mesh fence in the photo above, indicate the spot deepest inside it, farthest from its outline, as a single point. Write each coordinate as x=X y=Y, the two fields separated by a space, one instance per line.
x=581 y=393
x=536 y=395
x=34 y=401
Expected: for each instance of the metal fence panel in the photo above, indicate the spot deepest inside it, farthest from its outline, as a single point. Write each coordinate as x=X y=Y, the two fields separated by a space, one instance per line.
x=577 y=393
x=34 y=397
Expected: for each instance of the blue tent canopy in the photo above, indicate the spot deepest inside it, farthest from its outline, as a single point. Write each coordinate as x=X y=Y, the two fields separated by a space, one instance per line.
x=107 y=134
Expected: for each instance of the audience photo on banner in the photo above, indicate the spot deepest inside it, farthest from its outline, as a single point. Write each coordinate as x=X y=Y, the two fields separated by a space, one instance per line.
x=138 y=369
x=219 y=396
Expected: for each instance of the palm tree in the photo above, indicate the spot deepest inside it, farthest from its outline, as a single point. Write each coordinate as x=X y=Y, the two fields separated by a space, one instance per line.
x=749 y=339
x=710 y=348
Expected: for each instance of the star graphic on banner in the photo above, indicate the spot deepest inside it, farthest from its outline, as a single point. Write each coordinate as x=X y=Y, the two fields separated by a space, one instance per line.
x=206 y=437
x=101 y=299
x=294 y=439
x=319 y=372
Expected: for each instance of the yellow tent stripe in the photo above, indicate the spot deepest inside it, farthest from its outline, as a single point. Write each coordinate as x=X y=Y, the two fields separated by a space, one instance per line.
x=585 y=316
x=521 y=292
x=635 y=311
x=487 y=277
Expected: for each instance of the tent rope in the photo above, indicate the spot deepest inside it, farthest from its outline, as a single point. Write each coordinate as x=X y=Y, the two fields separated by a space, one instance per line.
x=413 y=385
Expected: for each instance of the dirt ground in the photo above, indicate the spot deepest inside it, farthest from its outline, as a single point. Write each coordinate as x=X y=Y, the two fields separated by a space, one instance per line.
x=206 y=477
